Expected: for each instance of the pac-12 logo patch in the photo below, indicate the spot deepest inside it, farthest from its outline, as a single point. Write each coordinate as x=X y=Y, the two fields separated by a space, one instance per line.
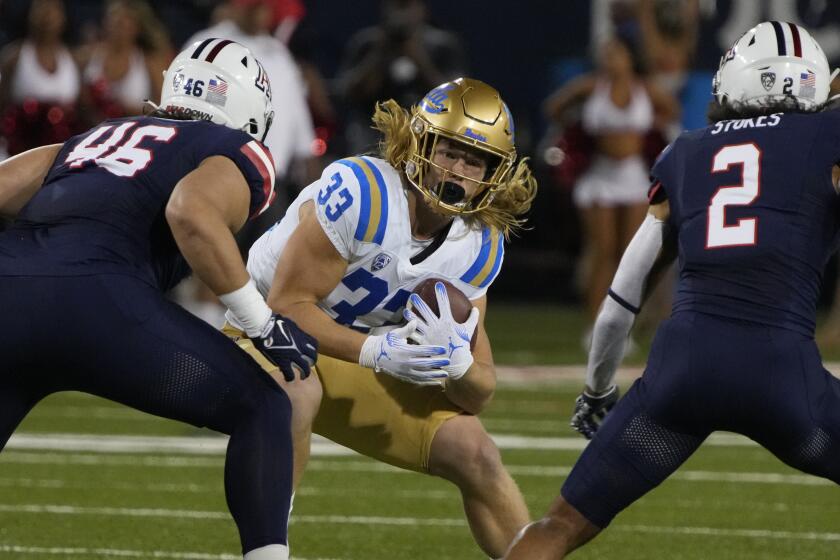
x=767 y=80
x=381 y=261
x=177 y=80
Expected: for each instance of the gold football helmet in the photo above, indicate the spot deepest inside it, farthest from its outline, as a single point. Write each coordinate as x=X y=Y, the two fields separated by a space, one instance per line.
x=472 y=113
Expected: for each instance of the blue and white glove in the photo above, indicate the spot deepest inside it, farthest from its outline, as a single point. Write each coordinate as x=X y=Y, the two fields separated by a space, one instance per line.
x=393 y=354
x=443 y=330
x=285 y=345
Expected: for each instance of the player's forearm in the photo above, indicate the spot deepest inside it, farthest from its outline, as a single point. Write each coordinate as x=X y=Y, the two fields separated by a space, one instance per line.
x=210 y=249
x=609 y=338
x=475 y=389
x=617 y=314
x=22 y=175
x=334 y=340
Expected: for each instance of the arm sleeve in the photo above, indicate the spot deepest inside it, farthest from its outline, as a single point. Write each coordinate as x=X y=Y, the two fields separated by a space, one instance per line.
x=617 y=314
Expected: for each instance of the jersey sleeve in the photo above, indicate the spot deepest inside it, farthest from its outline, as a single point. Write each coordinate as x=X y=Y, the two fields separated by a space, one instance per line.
x=486 y=264
x=659 y=174
x=352 y=204
x=251 y=157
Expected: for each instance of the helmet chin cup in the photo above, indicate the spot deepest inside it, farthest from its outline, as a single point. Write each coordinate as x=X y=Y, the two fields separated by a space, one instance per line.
x=450 y=193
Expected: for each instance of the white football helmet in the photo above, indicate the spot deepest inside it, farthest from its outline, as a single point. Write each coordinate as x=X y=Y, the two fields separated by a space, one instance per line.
x=220 y=81
x=773 y=61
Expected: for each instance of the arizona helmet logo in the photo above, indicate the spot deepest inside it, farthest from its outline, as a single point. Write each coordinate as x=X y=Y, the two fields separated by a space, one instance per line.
x=261 y=81
x=768 y=79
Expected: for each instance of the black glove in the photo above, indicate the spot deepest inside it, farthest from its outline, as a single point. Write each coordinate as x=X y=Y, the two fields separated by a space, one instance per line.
x=284 y=344
x=590 y=411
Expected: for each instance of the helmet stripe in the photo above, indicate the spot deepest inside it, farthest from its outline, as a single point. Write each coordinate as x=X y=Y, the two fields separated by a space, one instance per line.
x=217 y=49
x=780 y=38
x=797 y=45
x=197 y=52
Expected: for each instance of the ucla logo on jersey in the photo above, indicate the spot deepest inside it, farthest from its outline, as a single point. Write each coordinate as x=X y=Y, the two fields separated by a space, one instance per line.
x=177 y=80
x=433 y=102
x=381 y=261
x=768 y=79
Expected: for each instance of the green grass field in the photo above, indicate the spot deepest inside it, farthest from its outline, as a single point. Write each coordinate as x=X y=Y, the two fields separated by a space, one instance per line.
x=110 y=494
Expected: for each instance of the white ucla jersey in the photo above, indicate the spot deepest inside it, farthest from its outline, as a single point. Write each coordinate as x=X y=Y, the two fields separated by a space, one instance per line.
x=363 y=208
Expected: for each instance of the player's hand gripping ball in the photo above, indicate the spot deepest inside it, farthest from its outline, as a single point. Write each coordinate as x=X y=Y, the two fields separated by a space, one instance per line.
x=459 y=305
x=445 y=317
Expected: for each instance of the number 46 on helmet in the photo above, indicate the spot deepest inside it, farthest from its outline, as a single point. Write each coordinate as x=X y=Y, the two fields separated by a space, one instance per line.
x=221 y=81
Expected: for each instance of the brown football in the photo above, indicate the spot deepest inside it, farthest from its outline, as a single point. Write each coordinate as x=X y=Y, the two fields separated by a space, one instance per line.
x=459 y=304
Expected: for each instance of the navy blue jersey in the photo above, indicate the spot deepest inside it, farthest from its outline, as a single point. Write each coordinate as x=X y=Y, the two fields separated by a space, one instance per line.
x=101 y=207
x=756 y=215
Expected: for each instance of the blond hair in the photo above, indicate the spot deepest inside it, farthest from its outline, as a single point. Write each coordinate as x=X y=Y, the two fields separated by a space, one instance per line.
x=511 y=200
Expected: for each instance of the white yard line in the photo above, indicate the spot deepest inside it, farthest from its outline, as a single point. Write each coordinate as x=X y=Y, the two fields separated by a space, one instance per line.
x=527 y=375
x=369 y=466
x=216 y=445
x=116 y=553
x=399 y=521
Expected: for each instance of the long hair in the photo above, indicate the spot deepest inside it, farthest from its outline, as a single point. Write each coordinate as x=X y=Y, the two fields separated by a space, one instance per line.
x=725 y=111
x=511 y=200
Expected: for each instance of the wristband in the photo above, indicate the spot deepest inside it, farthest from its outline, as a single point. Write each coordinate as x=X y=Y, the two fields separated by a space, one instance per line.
x=248 y=308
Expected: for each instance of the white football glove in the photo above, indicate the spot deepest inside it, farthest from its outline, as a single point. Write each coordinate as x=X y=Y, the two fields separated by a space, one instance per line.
x=392 y=353
x=444 y=330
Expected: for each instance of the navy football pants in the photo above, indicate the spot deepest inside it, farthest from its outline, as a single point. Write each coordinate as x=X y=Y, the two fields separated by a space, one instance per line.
x=116 y=337
x=704 y=374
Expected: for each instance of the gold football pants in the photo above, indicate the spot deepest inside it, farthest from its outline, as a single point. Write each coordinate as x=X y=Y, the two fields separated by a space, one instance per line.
x=372 y=413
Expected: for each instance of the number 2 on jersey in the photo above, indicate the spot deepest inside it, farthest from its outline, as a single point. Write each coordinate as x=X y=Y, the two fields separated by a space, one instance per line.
x=718 y=233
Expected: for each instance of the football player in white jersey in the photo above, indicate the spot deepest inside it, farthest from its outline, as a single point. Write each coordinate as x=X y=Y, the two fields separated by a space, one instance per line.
x=438 y=202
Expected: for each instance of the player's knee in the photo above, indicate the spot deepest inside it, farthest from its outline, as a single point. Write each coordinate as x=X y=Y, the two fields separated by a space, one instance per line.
x=269 y=407
x=305 y=396
x=474 y=461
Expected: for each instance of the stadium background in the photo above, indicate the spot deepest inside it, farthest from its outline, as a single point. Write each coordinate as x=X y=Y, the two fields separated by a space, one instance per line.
x=84 y=478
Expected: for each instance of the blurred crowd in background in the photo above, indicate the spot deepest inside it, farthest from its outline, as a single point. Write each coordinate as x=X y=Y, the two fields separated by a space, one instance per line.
x=596 y=87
